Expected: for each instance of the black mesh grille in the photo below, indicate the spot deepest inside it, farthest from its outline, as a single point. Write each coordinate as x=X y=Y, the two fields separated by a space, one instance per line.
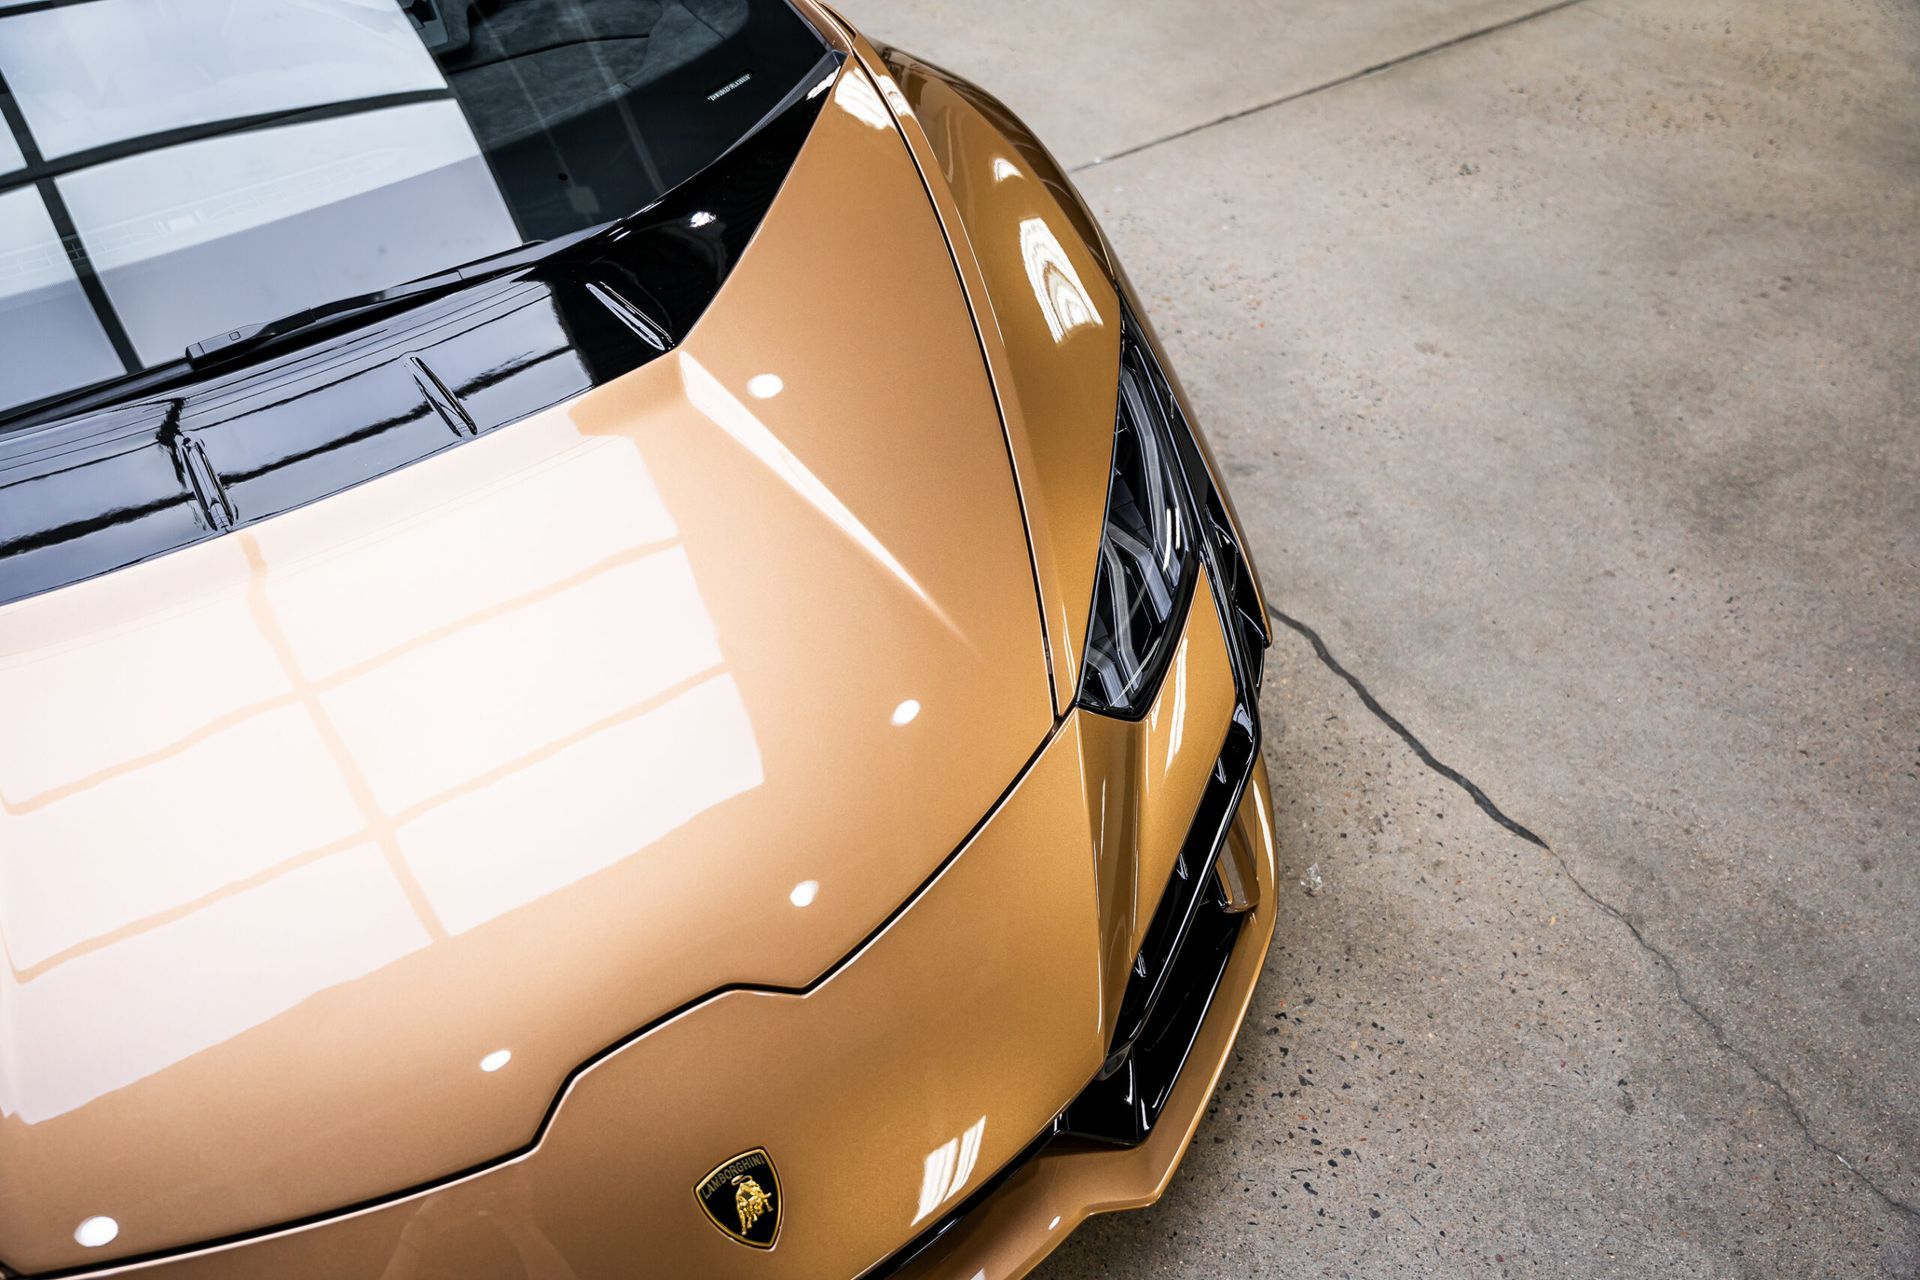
x=1178 y=968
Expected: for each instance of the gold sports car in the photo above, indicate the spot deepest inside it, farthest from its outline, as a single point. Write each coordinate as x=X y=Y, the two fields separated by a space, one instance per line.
x=618 y=658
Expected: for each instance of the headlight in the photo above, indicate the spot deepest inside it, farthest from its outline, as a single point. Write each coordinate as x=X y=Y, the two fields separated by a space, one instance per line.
x=1164 y=518
x=1147 y=561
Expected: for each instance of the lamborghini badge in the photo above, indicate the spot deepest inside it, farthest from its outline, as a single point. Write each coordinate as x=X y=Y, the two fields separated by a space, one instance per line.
x=742 y=1198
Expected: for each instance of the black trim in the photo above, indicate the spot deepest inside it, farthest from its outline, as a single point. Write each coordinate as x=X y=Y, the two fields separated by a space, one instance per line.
x=1179 y=966
x=444 y=402
x=318 y=410
x=1187 y=892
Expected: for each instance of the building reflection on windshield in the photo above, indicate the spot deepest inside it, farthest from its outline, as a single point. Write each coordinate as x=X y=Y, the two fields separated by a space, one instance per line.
x=151 y=195
x=262 y=223
x=172 y=172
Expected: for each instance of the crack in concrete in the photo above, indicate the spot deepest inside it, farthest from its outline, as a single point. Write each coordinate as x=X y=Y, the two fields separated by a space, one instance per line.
x=1451 y=774
x=1720 y=1038
x=1349 y=78
x=1493 y=811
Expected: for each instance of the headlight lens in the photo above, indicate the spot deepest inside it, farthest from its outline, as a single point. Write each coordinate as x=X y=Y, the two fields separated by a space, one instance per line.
x=1147 y=554
x=1165 y=518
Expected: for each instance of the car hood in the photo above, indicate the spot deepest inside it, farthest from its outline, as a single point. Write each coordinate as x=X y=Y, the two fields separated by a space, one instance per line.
x=331 y=847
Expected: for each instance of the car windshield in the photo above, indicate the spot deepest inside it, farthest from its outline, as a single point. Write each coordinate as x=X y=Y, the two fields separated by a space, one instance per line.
x=170 y=169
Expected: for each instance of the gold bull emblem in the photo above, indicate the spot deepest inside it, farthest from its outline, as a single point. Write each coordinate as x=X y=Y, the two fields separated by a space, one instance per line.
x=741 y=1198
x=749 y=1201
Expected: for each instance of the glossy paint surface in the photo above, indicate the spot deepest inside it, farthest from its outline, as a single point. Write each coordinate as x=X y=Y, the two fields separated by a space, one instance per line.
x=886 y=1092
x=441 y=878
x=883 y=1094
x=997 y=186
x=513 y=752
x=1040 y=1204
x=1049 y=322
x=1151 y=773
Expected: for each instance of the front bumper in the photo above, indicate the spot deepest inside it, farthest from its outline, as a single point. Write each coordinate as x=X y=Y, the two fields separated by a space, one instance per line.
x=889 y=1091
x=1116 y=1144
x=1063 y=1178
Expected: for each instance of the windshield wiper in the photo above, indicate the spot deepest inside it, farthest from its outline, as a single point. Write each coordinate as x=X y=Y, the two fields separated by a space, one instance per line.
x=237 y=343
x=250 y=338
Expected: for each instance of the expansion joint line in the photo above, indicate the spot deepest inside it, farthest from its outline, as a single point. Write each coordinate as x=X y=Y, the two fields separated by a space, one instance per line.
x=1492 y=810
x=1322 y=87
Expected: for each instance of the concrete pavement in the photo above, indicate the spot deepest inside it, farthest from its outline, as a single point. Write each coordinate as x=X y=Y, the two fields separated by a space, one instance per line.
x=1569 y=376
